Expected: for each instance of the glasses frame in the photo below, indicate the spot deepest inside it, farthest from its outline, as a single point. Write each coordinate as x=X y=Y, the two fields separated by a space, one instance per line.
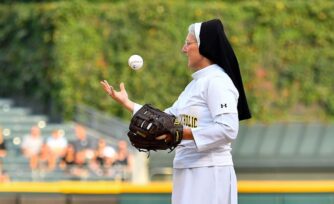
x=187 y=43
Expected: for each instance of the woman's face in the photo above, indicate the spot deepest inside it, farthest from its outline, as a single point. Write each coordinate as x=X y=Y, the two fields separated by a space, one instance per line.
x=191 y=49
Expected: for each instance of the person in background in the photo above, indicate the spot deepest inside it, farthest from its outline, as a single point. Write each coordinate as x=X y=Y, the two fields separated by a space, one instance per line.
x=31 y=146
x=44 y=163
x=74 y=164
x=123 y=164
x=84 y=146
x=104 y=157
x=3 y=150
x=67 y=161
x=4 y=177
x=56 y=144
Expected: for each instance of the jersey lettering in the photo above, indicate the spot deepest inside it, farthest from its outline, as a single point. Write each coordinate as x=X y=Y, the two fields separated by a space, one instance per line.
x=189 y=121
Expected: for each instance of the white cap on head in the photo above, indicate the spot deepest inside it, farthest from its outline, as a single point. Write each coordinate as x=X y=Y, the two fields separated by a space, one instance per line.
x=197 y=31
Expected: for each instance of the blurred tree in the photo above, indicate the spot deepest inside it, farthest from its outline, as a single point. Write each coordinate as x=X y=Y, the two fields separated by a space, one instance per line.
x=57 y=52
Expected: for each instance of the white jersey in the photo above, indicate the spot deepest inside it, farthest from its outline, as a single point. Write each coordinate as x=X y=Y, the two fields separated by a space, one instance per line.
x=208 y=105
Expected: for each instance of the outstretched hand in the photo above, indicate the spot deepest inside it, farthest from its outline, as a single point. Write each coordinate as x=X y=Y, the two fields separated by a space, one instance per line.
x=119 y=96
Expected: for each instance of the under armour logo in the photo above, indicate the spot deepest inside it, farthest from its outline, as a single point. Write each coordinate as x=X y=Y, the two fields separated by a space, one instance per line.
x=223 y=105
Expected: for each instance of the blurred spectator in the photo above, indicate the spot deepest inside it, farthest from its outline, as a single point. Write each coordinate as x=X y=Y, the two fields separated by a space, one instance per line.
x=83 y=145
x=44 y=163
x=56 y=144
x=104 y=157
x=80 y=169
x=3 y=150
x=31 y=146
x=74 y=164
x=123 y=164
x=4 y=177
x=67 y=161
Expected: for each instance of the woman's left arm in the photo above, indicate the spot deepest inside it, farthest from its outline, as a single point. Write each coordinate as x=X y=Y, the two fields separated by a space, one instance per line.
x=223 y=131
x=222 y=99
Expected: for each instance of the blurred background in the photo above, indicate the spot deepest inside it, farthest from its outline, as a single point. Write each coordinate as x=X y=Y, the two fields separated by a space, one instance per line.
x=62 y=140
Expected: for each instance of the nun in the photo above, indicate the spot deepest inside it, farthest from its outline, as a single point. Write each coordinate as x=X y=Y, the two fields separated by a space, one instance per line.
x=215 y=99
x=210 y=108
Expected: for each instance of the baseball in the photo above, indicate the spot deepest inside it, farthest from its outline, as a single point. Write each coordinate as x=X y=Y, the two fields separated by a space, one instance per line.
x=136 y=62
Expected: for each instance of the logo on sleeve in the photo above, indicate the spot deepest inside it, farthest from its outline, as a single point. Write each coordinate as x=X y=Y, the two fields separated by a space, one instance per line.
x=223 y=105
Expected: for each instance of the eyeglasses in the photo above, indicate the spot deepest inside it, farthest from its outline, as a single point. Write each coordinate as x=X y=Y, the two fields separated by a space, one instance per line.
x=187 y=43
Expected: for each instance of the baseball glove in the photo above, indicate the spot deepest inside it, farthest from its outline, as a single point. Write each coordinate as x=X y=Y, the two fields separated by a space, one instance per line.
x=148 y=123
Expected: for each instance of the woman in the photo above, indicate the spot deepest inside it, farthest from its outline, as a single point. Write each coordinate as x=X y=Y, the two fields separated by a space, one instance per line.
x=103 y=158
x=3 y=149
x=210 y=108
x=123 y=165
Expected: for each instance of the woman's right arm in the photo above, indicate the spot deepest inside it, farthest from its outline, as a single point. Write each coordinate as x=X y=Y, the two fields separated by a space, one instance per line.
x=120 y=97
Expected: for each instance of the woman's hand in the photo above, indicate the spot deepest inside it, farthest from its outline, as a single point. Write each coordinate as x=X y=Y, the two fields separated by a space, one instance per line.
x=187 y=135
x=119 y=96
x=166 y=137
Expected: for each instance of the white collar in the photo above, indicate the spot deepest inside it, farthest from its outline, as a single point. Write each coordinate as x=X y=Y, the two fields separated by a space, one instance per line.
x=213 y=68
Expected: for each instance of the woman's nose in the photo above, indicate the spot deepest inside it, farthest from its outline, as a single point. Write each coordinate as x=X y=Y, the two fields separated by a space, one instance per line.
x=184 y=49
